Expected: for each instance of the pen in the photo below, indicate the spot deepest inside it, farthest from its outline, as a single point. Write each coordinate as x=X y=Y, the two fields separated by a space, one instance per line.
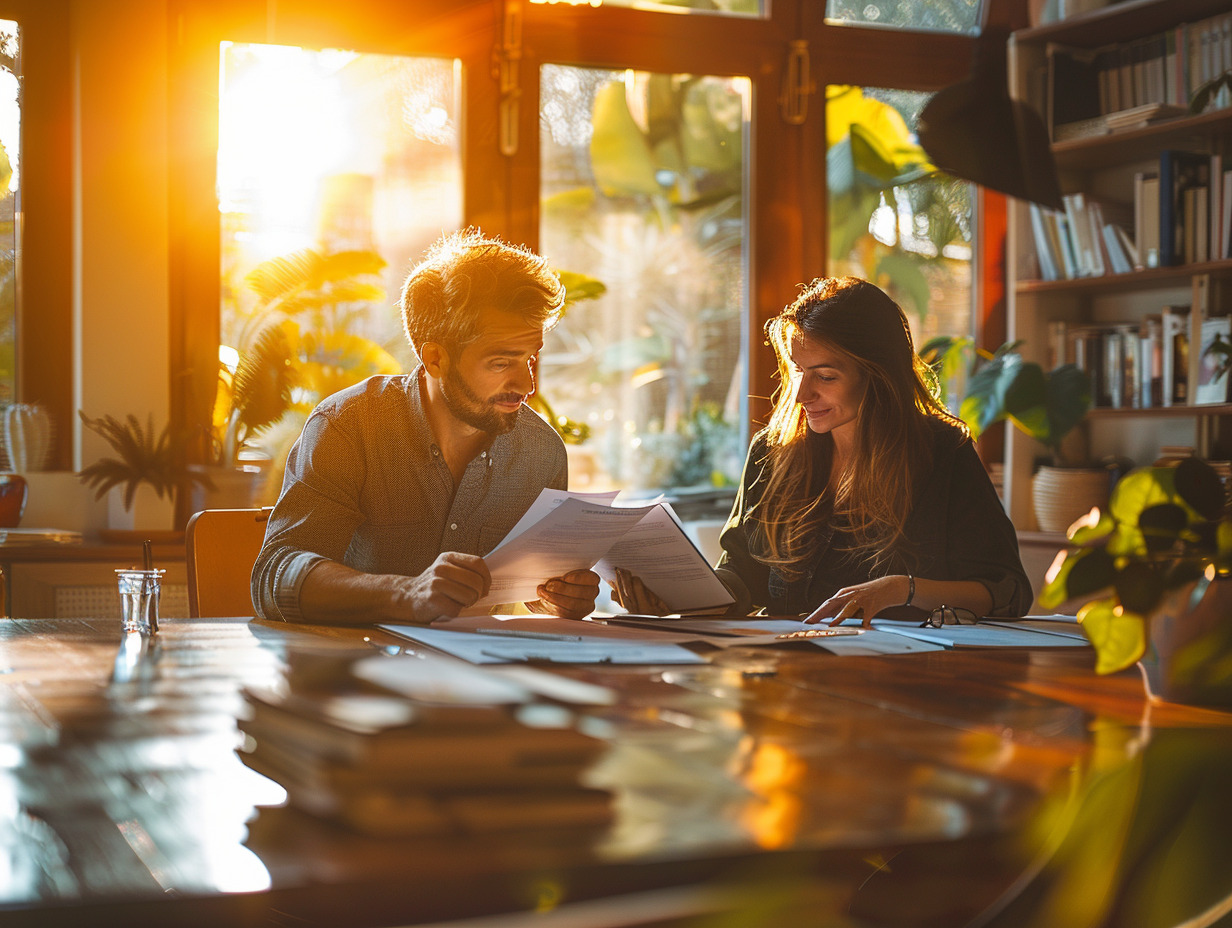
x=524 y=633
x=820 y=633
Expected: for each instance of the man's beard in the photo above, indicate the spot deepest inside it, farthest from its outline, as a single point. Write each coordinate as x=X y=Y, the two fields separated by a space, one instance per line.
x=467 y=406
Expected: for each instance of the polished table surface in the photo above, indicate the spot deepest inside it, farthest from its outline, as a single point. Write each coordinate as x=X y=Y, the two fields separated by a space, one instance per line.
x=786 y=785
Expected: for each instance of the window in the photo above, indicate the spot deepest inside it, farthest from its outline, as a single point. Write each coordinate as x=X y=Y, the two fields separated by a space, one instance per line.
x=670 y=165
x=712 y=7
x=894 y=219
x=10 y=179
x=643 y=187
x=960 y=16
x=335 y=171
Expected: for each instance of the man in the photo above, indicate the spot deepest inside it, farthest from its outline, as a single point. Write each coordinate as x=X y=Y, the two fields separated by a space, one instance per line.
x=398 y=485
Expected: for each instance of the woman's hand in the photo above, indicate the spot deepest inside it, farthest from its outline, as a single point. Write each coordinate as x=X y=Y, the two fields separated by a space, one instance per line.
x=569 y=597
x=631 y=593
x=863 y=601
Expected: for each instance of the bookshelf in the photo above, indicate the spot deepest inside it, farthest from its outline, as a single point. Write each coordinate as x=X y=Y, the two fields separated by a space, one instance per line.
x=1103 y=167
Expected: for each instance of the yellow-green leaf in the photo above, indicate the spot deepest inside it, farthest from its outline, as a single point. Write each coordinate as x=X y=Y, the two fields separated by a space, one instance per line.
x=619 y=156
x=1119 y=636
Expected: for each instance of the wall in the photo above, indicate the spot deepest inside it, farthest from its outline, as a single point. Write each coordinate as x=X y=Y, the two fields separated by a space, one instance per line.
x=120 y=258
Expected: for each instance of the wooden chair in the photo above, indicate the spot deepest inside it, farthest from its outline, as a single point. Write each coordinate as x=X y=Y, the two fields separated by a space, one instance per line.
x=222 y=545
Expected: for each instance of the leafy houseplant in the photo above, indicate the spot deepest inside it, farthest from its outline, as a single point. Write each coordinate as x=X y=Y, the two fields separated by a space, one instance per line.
x=1156 y=565
x=578 y=288
x=296 y=345
x=1046 y=406
x=143 y=456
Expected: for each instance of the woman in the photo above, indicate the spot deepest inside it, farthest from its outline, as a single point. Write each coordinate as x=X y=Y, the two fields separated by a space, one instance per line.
x=863 y=495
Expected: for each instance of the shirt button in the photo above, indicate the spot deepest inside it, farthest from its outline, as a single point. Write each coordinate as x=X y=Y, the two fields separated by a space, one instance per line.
x=436 y=452
x=453 y=526
x=483 y=454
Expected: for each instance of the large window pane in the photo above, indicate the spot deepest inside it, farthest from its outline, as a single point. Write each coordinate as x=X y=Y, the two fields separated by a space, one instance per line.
x=335 y=171
x=719 y=7
x=644 y=188
x=894 y=219
x=962 y=16
x=10 y=157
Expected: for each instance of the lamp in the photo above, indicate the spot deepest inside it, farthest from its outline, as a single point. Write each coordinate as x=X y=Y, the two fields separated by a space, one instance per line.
x=974 y=130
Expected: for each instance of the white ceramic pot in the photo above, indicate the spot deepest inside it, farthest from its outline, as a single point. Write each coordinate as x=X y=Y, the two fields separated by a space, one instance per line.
x=1062 y=495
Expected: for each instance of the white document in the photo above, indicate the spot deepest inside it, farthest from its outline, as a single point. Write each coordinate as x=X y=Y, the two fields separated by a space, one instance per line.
x=577 y=531
x=981 y=636
x=481 y=649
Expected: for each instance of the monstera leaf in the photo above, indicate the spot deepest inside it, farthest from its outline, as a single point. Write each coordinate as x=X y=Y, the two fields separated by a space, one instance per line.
x=1045 y=406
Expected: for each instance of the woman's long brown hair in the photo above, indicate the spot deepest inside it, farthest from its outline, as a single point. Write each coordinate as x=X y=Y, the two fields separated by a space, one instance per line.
x=873 y=495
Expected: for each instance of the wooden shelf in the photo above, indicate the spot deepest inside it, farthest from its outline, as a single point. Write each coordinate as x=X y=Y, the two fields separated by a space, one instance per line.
x=1102 y=167
x=1161 y=412
x=1130 y=145
x=1151 y=278
x=1120 y=22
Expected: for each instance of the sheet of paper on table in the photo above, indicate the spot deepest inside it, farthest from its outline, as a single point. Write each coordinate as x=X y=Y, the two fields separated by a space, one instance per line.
x=756 y=630
x=983 y=635
x=497 y=649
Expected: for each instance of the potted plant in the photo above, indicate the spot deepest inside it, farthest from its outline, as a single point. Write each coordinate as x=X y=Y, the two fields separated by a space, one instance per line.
x=1156 y=565
x=144 y=456
x=294 y=346
x=1043 y=405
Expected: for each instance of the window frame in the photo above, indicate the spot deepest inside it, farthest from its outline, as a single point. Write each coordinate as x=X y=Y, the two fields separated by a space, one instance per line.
x=501 y=193
x=44 y=209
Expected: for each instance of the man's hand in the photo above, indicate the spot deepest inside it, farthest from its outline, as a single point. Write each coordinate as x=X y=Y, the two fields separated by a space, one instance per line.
x=636 y=598
x=569 y=597
x=453 y=582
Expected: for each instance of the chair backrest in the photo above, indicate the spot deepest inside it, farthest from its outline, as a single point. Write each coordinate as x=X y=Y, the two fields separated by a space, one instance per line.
x=222 y=546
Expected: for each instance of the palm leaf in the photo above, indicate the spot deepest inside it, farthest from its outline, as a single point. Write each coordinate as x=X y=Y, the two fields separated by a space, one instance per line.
x=263 y=382
x=144 y=455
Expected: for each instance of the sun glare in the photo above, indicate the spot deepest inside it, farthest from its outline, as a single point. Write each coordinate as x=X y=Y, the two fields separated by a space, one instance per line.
x=283 y=125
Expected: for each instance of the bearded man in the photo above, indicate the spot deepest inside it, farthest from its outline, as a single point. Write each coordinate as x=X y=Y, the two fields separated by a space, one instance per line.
x=399 y=485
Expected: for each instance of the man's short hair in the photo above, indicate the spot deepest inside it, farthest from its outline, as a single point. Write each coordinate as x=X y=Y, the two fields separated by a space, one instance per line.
x=466 y=272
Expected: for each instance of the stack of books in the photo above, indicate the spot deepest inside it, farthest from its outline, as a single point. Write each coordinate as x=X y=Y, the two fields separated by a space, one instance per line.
x=1092 y=91
x=467 y=752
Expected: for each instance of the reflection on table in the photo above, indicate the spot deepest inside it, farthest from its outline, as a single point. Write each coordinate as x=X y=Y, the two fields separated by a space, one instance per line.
x=783 y=785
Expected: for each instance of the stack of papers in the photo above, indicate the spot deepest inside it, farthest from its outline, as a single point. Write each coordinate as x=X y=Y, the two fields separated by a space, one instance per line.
x=655 y=640
x=569 y=531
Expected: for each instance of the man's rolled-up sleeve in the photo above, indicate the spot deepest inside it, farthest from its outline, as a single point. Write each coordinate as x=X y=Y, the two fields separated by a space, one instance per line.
x=314 y=519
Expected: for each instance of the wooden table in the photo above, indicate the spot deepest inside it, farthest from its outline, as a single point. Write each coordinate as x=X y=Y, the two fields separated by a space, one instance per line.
x=790 y=787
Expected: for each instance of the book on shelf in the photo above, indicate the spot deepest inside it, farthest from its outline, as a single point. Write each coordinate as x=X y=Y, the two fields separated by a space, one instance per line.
x=1150 y=363
x=1174 y=352
x=1058 y=344
x=1179 y=173
x=1087 y=240
x=1225 y=215
x=1215 y=354
x=1111 y=88
x=1072 y=92
x=1146 y=218
x=1088 y=258
x=1045 y=251
x=1088 y=353
x=1119 y=250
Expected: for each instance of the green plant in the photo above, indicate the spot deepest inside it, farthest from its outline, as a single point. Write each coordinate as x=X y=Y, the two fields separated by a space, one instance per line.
x=874 y=163
x=144 y=456
x=578 y=288
x=1165 y=529
x=297 y=344
x=1043 y=405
